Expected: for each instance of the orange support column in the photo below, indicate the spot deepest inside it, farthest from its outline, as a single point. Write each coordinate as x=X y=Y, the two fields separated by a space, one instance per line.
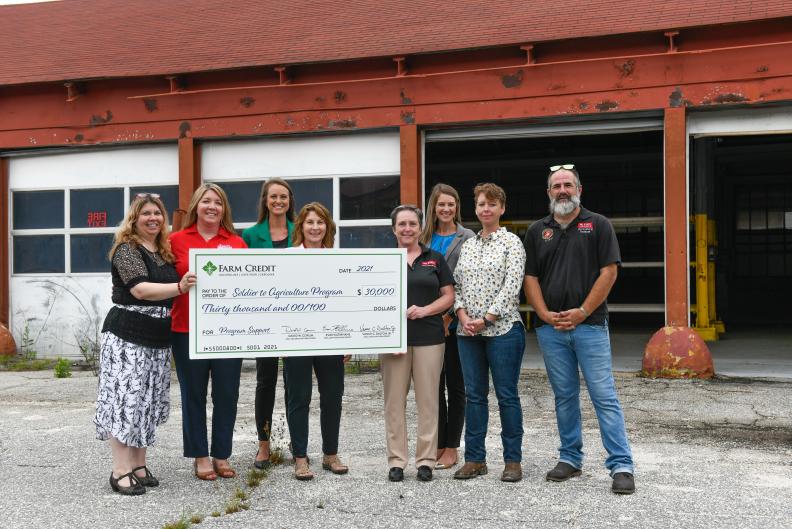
x=410 y=141
x=189 y=177
x=677 y=263
x=7 y=344
x=6 y=238
x=676 y=350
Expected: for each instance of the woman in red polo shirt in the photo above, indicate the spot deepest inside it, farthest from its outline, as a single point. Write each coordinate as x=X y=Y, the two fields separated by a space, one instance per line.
x=209 y=225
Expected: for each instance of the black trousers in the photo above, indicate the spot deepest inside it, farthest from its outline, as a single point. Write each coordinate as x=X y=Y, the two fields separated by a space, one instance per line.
x=193 y=385
x=452 y=414
x=299 y=385
x=266 y=382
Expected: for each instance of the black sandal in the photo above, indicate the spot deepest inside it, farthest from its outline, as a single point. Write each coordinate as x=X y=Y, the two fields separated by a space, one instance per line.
x=148 y=480
x=134 y=489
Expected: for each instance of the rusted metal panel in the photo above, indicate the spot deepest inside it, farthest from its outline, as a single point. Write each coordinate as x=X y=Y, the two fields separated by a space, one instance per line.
x=677 y=271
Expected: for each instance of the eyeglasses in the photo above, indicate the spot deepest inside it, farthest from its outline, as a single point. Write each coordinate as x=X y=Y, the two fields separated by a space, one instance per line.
x=147 y=195
x=567 y=166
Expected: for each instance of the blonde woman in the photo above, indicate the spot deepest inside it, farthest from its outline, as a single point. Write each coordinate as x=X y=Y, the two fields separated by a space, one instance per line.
x=444 y=233
x=209 y=225
x=134 y=373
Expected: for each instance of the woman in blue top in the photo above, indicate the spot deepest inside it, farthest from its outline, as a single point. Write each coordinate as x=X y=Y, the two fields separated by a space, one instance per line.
x=445 y=234
x=272 y=230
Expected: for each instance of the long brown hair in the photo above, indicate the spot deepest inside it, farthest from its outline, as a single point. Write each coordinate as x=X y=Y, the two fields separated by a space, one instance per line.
x=431 y=210
x=127 y=233
x=324 y=214
x=192 y=210
x=263 y=213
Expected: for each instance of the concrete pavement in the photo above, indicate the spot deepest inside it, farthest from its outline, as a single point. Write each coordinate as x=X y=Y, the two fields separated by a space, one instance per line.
x=708 y=454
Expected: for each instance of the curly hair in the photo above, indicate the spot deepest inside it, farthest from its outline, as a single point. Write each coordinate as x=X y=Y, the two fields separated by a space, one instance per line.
x=491 y=192
x=127 y=233
x=324 y=214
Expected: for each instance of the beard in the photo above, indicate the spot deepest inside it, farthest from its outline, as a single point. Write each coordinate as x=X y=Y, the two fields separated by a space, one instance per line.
x=562 y=209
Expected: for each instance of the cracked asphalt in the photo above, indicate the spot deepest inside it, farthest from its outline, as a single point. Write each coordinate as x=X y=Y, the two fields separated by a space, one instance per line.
x=708 y=454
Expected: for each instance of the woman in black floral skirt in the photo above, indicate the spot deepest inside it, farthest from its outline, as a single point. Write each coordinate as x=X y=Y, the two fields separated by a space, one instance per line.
x=134 y=373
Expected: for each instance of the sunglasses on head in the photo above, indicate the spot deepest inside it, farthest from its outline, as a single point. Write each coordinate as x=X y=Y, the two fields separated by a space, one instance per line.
x=147 y=195
x=567 y=166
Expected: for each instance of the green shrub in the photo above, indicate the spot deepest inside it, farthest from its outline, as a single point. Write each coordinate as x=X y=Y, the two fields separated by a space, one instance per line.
x=62 y=368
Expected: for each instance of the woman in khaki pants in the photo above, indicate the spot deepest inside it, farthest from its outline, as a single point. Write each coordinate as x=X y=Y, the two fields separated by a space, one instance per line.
x=430 y=293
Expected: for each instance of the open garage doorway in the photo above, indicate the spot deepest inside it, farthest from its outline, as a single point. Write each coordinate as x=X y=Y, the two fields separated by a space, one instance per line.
x=743 y=184
x=622 y=177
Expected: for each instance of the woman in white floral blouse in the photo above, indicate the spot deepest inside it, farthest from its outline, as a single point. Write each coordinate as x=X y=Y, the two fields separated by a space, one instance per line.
x=491 y=334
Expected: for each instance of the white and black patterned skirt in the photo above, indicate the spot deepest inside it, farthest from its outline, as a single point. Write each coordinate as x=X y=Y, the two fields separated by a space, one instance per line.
x=134 y=391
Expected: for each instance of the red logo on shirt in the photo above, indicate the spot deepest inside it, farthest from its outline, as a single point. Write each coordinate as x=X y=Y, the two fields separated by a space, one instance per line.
x=585 y=227
x=429 y=263
x=547 y=234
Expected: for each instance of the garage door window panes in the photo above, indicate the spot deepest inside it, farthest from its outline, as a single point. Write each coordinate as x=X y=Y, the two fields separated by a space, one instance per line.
x=70 y=231
x=369 y=197
x=360 y=205
x=89 y=252
x=38 y=210
x=367 y=237
x=168 y=194
x=96 y=208
x=245 y=197
x=39 y=254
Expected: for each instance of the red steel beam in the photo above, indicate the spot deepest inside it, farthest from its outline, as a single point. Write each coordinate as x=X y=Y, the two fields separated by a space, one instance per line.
x=410 y=142
x=677 y=267
x=705 y=95
x=746 y=74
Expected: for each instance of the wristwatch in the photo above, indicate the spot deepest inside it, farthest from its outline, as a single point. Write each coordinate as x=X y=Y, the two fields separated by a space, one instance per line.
x=488 y=323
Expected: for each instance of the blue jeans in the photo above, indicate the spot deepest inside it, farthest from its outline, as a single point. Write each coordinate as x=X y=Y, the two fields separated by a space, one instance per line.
x=589 y=347
x=502 y=356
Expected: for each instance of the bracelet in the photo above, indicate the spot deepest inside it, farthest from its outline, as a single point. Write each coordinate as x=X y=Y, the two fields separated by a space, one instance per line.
x=178 y=287
x=584 y=311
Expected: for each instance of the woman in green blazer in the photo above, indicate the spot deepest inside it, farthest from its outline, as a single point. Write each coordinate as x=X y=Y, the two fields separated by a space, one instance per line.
x=272 y=230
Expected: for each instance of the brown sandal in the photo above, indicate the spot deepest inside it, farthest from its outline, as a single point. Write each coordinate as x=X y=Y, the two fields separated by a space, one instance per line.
x=334 y=465
x=302 y=471
x=224 y=471
x=205 y=475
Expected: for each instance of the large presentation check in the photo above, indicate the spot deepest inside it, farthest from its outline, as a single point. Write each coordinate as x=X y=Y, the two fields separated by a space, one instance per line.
x=261 y=303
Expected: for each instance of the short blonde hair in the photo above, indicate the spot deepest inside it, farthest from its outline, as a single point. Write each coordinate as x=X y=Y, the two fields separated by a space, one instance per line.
x=192 y=210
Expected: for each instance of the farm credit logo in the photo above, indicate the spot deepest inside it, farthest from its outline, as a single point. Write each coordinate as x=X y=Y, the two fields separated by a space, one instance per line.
x=209 y=268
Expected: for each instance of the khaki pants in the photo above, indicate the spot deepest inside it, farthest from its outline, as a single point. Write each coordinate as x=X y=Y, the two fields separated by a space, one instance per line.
x=423 y=364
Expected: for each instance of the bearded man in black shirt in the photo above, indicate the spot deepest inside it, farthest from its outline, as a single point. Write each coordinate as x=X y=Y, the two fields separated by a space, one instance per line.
x=572 y=260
